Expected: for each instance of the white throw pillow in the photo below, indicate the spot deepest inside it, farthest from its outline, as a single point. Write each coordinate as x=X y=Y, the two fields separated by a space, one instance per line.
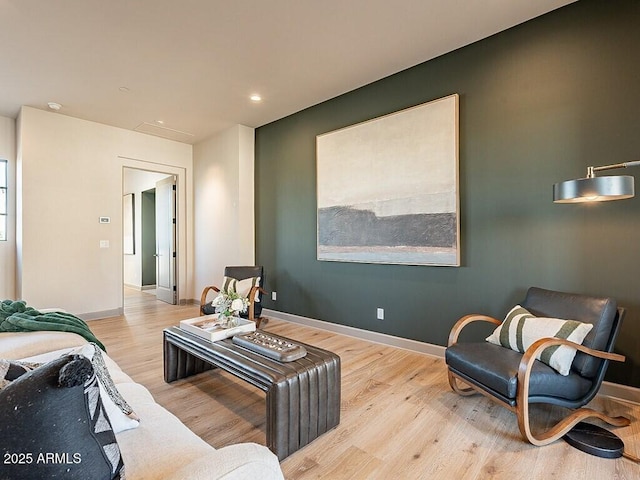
x=520 y=329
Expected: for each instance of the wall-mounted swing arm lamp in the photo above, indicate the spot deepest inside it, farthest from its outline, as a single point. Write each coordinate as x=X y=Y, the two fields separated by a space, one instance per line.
x=596 y=441
x=596 y=189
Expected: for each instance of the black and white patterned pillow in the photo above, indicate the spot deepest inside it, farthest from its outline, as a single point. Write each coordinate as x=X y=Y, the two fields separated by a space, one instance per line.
x=54 y=425
x=120 y=412
x=12 y=369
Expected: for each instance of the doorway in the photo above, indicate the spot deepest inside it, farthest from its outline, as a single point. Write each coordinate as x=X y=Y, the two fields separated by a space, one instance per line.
x=149 y=266
x=148 y=240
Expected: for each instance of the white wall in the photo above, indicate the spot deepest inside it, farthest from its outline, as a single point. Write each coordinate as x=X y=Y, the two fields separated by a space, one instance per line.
x=8 y=247
x=136 y=182
x=246 y=198
x=70 y=174
x=223 y=204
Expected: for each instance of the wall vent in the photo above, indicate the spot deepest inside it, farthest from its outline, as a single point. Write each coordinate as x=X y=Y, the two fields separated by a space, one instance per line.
x=165 y=132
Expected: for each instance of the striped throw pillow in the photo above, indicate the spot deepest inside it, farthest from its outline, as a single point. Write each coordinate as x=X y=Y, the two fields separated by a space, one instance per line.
x=241 y=287
x=521 y=328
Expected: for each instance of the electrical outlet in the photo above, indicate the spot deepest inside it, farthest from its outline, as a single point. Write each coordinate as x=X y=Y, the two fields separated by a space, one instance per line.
x=380 y=313
x=274 y=296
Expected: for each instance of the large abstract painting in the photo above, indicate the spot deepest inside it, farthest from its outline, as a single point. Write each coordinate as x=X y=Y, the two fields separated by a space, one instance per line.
x=388 y=188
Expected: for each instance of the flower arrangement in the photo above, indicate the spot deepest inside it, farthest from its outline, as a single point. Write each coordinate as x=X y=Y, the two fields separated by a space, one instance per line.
x=229 y=304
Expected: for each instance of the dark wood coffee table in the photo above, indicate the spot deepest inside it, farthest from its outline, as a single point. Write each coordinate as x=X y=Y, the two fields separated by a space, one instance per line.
x=302 y=397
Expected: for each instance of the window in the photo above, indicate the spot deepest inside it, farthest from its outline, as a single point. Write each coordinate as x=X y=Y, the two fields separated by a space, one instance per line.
x=3 y=200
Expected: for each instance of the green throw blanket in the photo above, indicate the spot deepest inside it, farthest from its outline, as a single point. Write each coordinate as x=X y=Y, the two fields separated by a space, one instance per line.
x=16 y=316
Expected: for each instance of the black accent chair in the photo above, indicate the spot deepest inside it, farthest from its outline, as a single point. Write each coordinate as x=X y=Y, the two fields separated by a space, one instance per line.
x=254 y=312
x=516 y=380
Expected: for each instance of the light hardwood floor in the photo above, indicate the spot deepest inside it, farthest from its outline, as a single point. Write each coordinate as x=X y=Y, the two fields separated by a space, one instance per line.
x=399 y=418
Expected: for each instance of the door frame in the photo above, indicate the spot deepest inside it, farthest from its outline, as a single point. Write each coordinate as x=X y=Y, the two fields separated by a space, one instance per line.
x=183 y=219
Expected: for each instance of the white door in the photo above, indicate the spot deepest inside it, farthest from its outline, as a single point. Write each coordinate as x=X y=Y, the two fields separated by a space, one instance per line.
x=166 y=240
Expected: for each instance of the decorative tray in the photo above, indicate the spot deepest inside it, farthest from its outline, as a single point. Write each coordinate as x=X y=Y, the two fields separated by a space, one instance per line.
x=209 y=328
x=277 y=348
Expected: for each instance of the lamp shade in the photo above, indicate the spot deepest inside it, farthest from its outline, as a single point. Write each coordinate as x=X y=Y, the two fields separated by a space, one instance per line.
x=596 y=189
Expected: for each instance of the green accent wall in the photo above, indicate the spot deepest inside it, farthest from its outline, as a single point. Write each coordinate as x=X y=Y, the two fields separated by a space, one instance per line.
x=148 y=237
x=538 y=104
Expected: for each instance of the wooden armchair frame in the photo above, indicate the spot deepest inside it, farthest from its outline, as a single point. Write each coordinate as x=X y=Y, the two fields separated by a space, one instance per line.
x=521 y=408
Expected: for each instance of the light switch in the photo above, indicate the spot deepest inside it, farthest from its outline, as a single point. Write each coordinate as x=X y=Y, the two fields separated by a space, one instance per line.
x=104 y=243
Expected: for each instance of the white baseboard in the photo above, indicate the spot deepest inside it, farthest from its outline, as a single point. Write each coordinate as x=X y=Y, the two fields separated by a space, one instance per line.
x=382 y=338
x=139 y=288
x=116 y=312
x=608 y=389
x=620 y=392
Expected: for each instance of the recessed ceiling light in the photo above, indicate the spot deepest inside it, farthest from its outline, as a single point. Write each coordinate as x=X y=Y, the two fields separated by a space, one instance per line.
x=161 y=122
x=255 y=98
x=124 y=89
x=54 y=106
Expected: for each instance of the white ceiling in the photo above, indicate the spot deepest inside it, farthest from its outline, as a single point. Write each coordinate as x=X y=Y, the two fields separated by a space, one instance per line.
x=194 y=63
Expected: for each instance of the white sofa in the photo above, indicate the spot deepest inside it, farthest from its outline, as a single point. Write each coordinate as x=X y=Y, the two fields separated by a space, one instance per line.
x=161 y=447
